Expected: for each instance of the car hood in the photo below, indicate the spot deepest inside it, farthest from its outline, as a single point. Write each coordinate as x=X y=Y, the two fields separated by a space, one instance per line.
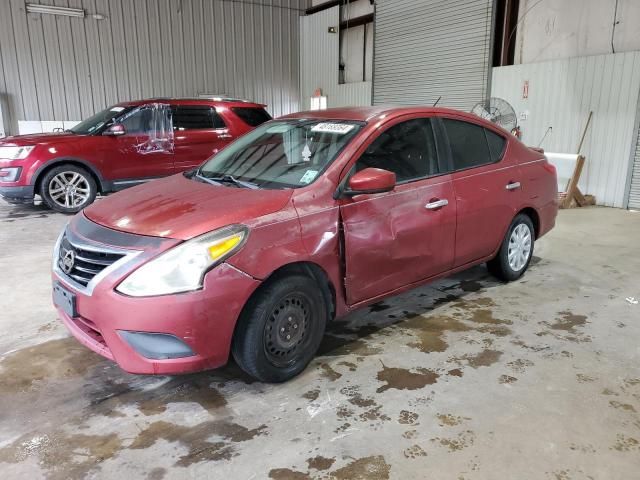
x=181 y=208
x=37 y=139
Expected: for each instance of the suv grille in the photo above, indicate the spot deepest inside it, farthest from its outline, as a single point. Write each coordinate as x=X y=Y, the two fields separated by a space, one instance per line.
x=82 y=265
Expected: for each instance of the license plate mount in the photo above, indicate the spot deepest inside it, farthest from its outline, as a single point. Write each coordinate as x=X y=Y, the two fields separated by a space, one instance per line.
x=64 y=299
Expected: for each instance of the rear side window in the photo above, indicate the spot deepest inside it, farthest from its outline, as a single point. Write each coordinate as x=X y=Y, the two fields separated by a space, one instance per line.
x=196 y=117
x=469 y=147
x=496 y=145
x=408 y=149
x=252 y=116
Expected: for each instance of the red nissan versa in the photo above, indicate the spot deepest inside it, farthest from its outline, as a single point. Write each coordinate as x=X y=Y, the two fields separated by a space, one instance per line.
x=300 y=221
x=121 y=146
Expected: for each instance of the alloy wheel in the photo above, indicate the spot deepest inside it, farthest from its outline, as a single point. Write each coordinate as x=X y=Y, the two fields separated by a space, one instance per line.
x=69 y=189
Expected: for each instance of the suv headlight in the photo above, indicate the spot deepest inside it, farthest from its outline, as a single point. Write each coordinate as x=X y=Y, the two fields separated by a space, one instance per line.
x=182 y=268
x=15 y=153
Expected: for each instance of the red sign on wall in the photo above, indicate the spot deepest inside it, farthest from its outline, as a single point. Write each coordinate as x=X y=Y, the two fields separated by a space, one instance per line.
x=525 y=89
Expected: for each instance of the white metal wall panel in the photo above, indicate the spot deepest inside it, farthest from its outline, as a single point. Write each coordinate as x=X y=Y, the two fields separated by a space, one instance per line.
x=425 y=49
x=319 y=59
x=561 y=95
x=56 y=68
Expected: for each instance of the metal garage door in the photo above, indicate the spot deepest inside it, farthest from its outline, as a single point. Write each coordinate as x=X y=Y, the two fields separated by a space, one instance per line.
x=634 y=191
x=425 y=49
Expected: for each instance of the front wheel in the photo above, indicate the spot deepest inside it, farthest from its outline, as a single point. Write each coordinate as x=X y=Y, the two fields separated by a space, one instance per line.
x=68 y=188
x=280 y=329
x=516 y=250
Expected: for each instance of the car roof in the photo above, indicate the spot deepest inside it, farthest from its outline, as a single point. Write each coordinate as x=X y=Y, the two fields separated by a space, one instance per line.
x=366 y=114
x=212 y=100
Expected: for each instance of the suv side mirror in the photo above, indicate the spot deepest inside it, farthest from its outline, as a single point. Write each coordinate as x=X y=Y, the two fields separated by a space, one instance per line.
x=371 y=180
x=115 y=130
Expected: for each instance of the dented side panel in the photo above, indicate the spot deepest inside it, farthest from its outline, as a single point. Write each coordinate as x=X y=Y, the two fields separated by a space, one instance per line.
x=392 y=240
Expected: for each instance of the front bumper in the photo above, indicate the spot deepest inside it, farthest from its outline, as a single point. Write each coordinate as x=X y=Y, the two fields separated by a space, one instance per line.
x=204 y=320
x=201 y=321
x=17 y=194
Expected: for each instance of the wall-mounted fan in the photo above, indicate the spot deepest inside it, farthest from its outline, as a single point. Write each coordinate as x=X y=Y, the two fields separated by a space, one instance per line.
x=498 y=111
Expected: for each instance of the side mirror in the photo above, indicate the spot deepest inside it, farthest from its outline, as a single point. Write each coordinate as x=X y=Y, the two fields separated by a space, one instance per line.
x=115 y=130
x=371 y=180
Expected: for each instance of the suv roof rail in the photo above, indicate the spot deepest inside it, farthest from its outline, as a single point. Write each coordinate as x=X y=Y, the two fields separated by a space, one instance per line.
x=222 y=98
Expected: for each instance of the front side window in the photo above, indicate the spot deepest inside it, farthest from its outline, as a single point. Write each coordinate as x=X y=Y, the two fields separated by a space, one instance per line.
x=97 y=122
x=407 y=149
x=288 y=153
x=469 y=147
x=196 y=117
x=138 y=122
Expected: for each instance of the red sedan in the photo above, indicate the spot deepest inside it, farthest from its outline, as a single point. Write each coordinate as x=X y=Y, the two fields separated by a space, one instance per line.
x=303 y=220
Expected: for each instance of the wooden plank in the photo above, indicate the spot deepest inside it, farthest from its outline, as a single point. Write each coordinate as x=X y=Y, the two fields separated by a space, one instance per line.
x=573 y=183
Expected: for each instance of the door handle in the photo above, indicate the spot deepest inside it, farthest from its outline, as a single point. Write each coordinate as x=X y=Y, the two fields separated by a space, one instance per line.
x=436 y=204
x=224 y=135
x=512 y=185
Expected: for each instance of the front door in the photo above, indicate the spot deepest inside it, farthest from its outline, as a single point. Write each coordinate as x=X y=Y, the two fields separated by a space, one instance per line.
x=400 y=237
x=199 y=133
x=145 y=151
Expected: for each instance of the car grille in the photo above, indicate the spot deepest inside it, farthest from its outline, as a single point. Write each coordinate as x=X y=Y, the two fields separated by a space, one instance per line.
x=86 y=263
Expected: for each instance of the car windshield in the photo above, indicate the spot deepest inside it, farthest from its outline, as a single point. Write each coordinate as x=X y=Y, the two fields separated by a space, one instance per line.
x=96 y=122
x=281 y=154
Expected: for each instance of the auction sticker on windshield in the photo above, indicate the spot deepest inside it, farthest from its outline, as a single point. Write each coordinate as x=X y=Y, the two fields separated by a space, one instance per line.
x=308 y=176
x=339 y=128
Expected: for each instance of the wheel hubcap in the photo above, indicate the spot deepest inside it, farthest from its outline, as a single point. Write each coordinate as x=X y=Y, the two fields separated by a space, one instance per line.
x=519 y=247
x=286 y=329
x=69 y=189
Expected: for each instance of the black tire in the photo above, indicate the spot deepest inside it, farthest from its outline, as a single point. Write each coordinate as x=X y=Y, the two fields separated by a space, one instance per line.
x=83 y=194
x=500 y=266
x=291 y=305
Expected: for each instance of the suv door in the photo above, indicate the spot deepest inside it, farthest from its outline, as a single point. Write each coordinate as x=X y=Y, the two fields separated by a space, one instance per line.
x=397 y=238
x=199 y=132
x=145 y=151
x=486 y=185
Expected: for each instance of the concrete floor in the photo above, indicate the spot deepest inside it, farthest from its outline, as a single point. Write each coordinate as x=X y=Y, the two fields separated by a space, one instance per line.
x=464 y=379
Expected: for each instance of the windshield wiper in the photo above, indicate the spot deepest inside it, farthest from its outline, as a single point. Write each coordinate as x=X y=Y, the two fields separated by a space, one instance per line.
x=227 y=179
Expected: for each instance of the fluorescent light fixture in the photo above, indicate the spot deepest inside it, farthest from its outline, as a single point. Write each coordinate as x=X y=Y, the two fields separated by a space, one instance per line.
x=51 y=10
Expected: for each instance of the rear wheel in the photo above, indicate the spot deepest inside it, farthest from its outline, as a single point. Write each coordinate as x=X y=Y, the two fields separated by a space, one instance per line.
x=280 y=329
x=516 y=250
x=68 y=188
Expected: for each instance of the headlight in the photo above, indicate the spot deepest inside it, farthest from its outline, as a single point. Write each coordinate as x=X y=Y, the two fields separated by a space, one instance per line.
x=182 y=268
x=15 y=153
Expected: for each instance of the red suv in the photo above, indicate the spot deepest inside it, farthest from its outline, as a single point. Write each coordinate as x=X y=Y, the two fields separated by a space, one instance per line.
x=302 y=220
x=121 y=146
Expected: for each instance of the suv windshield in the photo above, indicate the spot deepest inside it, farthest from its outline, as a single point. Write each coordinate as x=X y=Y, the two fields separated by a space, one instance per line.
x=285 y=153
x=101 y=119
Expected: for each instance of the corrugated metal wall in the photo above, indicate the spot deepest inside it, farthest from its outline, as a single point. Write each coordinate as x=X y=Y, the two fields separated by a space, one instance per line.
x=319 y=59
x=561 y=94
x=633 y=196
x=425 y=49
x=62 y=68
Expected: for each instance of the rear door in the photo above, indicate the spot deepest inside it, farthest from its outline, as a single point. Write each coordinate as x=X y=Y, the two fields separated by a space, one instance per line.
x=486 y=185
x=400 y=237
x=199 y=132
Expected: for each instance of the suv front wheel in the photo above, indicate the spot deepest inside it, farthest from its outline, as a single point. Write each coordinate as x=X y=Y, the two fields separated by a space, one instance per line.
x=68 y=188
